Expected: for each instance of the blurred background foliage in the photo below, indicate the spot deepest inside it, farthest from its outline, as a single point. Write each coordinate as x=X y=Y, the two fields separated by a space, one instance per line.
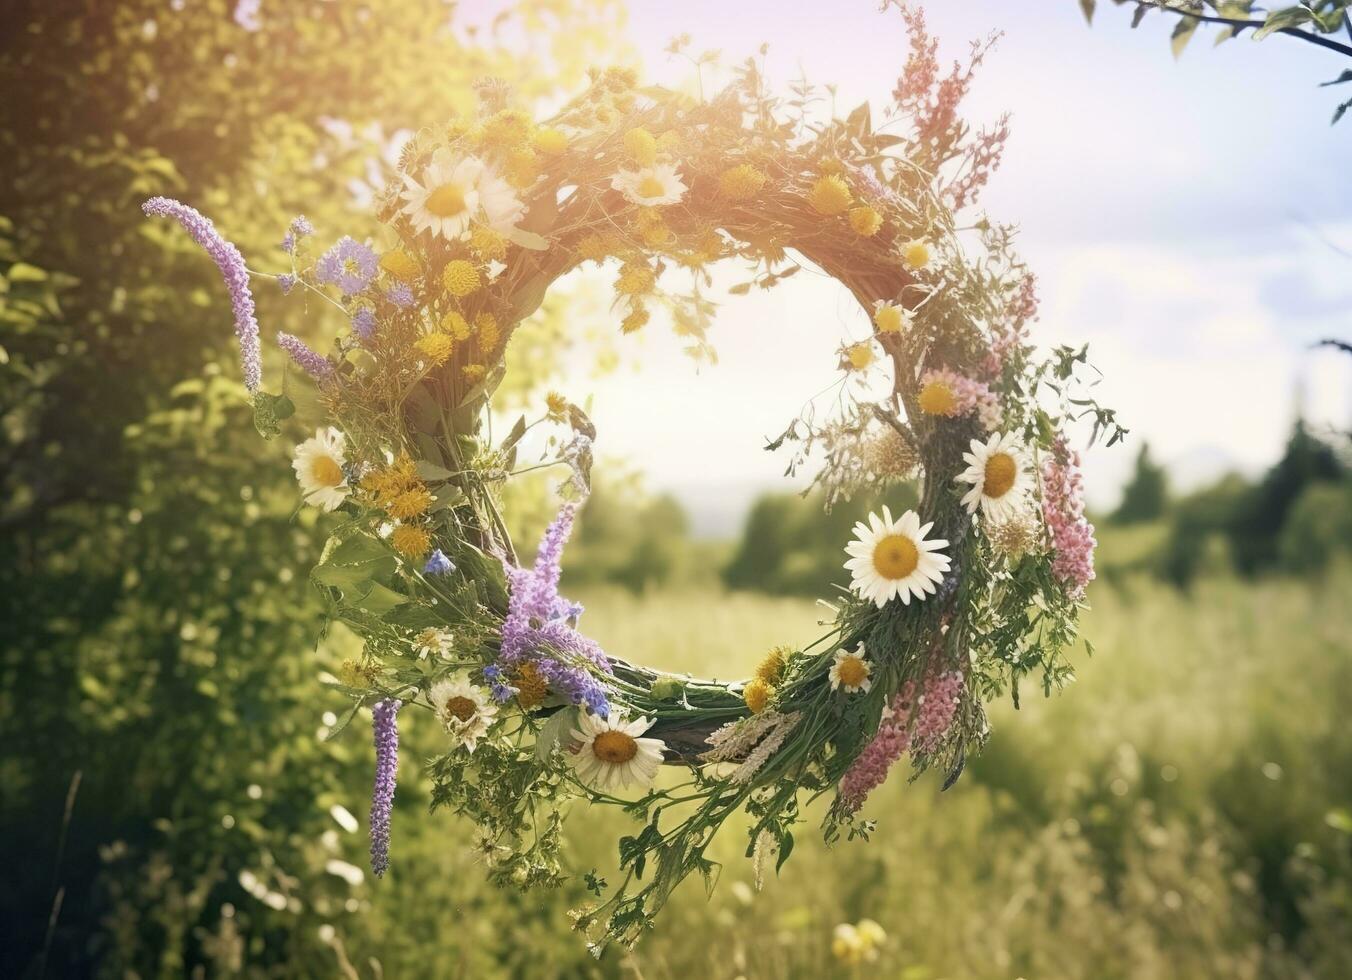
x=170 y=805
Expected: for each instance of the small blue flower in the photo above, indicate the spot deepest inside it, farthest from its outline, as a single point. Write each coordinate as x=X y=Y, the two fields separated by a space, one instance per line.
x=287 y=282
x=349 y=265
x=438 y=564
x=492 y=673
x=364 y=323
x=301 y=227
x=400 y=295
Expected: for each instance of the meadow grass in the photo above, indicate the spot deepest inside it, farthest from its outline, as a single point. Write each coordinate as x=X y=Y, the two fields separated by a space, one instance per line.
x=1170 y=815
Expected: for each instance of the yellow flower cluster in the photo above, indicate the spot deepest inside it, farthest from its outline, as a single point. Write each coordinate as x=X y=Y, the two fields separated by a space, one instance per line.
x=460 y=278
x=400 y=492
x=858 y=943
x=741 y=182
x=531 y=688
x=400 y=265
x=757 y=695
x=830 y=195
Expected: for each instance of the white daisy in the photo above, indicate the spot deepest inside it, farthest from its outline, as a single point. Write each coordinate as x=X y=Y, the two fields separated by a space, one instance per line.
x=894 y=558
x=998 y=472
x=454 y=193
x=612 y=755
x=464 y=710
x=319 y=468
x=851 y=671
x=650 y=187
x=433 y=641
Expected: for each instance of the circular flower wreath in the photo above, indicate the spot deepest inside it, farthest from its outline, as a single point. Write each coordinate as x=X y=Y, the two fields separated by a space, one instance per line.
x=951 y=603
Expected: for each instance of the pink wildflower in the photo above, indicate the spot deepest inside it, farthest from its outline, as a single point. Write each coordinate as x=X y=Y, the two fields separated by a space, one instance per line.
x=1063 y=510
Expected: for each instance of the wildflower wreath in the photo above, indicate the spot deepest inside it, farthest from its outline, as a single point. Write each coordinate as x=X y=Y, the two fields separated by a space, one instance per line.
x=951 y=604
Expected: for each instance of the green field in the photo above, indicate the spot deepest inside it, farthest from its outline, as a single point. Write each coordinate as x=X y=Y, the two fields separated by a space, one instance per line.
x=1180 y=811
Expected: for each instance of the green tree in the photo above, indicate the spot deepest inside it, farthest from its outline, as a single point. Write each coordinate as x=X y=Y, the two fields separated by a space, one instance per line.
x=158 y=626
x=1147 y=495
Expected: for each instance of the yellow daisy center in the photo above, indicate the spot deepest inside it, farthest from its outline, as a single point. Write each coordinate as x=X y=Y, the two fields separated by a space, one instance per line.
x=853 y=671
x=1000 y=473
x=325 y=471
x=460 y=707
x=447 y=200
x=614 y=747
x=650 y=186
x=895 y=556
x=936 y=398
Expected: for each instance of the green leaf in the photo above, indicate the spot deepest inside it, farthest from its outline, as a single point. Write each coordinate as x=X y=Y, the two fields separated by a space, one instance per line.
x=357 y=549
x=380 y=600
x=344 y=721
x=1183 y=32
x=23 y=272
x=1087 y=8
x=431 y=471
x=513 y=437
x=1346 y=76
x=269 y=411
x=1280 y=20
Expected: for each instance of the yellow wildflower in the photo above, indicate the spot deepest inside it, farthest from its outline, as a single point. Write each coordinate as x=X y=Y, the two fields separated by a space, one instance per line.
x=593 y=248
x=410 y=503
x=757 y=694
x=740 y=182
x=460 y=277
x=635 y=321
x=937 y=398
x=916 y=254
x=551 y=142
x=889 y=318
x=507 y=129
x=474 y=373
x=651 y=228
x=410 y=540
x=557 y=406
x=522 y=167
x=436 y=347
x=635 y=280
x=487 y=326
x=860 y=355
x=771 y=667
x=865 y=221
x=487 y=243
x=455 y=325
x=641 y=147
x=829 y=195
x=353 y=673
x=400 y=265
x=530 y=686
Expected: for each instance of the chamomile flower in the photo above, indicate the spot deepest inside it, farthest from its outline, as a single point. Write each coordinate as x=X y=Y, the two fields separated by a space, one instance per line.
x=319 y=468
x=464 y=710
x=612 y=755
x=433 y=641
x=998 y=473
x=890 y=317
x=892 y=559
x=851 y=671
x=452 y=194
x=652 y=186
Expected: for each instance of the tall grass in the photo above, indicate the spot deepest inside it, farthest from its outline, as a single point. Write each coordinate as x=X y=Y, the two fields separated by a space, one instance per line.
x=1175 y=814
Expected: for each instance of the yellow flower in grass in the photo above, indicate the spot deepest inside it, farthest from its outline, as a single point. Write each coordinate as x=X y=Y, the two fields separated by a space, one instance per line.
x=635 y=279
x=437 y=348
x=829 y=195
x=455 y=325
x=411 y=541
x=771 y=667
x=474 y=373
x=740 y=182
x=757 y=695
x=916 y=254
x=557 y=406
x=460 y=277
x=486 y=324
x=641 y=146
x=865 y=221
x=531 y=688
x=889 y=317
x=400 y=265
x=861 y=355
x=551 y=142
x=487 y=243
x=635 y=321
x=410 y=503
x=937 y=398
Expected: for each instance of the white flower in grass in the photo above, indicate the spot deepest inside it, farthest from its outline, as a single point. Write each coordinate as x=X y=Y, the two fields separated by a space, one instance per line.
x=893 y=558
x=455 y=192
x=319 y=468
x=650 y=187
x=612 y=755
x=464 y=710
x=851 y=671
x=998 y=473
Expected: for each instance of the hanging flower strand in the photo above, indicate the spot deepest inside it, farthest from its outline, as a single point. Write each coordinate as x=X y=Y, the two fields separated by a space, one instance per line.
x=385 y=730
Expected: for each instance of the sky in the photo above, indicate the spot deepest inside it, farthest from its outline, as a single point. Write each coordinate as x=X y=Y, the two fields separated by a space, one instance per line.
x=1185 y=218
